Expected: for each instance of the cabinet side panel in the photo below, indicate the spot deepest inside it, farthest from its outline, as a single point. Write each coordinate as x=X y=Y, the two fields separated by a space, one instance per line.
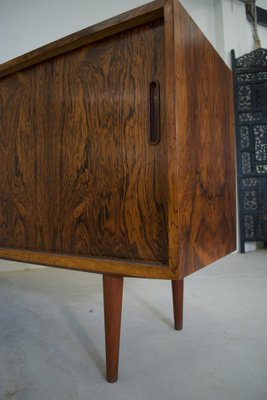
x=78 y=173
x=206 y=155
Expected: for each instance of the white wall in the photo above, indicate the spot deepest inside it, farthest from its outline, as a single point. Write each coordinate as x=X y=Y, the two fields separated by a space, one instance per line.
x=225 y=25
x=237 y=30
x=28 y=24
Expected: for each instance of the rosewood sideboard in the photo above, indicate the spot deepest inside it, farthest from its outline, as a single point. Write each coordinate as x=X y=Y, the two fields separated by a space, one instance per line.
x=117 y=155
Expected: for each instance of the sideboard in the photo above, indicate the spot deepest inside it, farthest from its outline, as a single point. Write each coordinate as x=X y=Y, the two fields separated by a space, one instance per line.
x=117 y=155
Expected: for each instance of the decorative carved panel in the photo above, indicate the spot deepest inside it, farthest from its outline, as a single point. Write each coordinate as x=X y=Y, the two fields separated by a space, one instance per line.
x=250 y=86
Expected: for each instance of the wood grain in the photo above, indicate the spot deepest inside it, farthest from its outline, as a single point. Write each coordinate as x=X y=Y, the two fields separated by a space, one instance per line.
x=172 y=138
x=206 y=150
x=79 y=174
x=80 y=182
x=112 y=293
x=178 y=303
x=89 y=264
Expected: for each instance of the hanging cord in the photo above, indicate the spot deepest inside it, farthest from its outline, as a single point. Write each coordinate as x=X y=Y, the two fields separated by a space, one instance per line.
x=252 y=11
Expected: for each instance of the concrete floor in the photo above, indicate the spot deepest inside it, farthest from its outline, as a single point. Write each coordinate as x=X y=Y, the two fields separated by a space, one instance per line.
x=52 y=337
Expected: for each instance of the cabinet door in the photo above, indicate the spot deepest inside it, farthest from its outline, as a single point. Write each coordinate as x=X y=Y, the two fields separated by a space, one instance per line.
x=78 y=172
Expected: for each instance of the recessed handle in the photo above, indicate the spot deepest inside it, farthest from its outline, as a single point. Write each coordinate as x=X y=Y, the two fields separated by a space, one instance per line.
x=154 y=92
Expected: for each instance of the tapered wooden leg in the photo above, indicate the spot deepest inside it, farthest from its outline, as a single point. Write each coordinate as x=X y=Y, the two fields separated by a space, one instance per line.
x=178 y=302
x=112 y=292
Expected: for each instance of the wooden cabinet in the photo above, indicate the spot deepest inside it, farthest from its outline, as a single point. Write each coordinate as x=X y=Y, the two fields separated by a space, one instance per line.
x=117 y=149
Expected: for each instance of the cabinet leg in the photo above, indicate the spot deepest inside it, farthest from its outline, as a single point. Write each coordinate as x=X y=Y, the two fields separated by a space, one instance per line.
x=112 y=293
x=178 y=302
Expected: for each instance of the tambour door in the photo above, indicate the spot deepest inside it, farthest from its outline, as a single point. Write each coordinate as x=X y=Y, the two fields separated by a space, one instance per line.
x=79 y=173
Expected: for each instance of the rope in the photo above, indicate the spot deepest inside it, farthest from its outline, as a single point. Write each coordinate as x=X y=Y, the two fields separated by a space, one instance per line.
x=252 y=11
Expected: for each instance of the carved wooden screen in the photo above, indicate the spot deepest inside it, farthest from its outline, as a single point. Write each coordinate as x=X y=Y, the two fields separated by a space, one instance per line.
x=250 y=87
